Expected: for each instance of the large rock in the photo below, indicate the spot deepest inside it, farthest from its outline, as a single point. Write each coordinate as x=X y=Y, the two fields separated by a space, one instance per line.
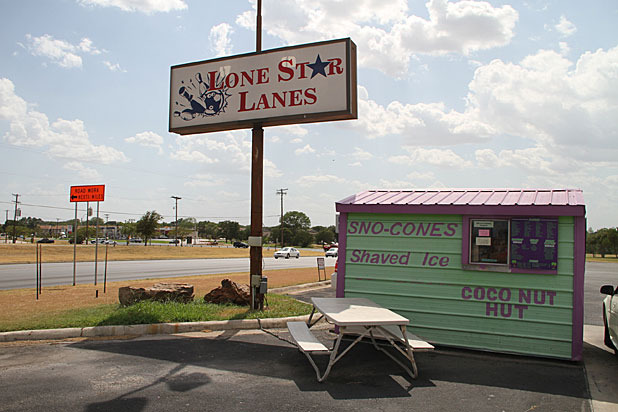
x=230 y=292
x=178 y=292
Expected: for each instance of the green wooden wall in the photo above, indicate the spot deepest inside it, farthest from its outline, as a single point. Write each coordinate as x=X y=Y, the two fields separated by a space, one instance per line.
x=412 y=264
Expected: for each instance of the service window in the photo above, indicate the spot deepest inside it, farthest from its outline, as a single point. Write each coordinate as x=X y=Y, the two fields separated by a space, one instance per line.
x=489 y=241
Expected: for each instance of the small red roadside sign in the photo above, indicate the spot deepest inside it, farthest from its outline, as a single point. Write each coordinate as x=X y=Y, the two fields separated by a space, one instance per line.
x=94 y=193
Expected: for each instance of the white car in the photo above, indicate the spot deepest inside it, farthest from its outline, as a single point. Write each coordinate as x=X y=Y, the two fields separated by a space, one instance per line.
x=332 y=252
x=610 y=316
x=287 y=252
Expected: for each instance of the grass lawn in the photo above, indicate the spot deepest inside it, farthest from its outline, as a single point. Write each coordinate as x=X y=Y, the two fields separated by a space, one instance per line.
x=78 y=306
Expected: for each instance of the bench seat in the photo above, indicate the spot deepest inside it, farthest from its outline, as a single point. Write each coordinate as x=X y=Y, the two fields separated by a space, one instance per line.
x=305 y=340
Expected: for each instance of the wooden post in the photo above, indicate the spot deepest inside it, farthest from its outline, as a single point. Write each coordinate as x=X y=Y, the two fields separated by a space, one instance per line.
x=255 y=252
x=257 y=178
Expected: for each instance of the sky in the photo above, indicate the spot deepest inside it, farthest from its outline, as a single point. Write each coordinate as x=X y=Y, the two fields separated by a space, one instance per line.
x=451 y=94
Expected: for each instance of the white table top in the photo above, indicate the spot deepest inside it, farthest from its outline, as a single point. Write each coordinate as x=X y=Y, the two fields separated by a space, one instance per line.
x=357 y=311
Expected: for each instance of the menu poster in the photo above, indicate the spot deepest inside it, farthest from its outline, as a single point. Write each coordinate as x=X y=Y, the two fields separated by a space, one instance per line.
x=534 y=243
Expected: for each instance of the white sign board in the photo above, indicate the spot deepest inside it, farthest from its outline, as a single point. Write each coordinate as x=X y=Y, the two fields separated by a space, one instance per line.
x=299 y=84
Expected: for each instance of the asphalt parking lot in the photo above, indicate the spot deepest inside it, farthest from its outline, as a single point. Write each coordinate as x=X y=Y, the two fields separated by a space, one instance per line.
x=257 y=370
x=261 y=370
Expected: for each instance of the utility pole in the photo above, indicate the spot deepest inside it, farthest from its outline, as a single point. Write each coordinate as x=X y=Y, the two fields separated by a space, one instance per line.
x=106 y=220
x=281 y=192
x=15 y=218
x=176 y=222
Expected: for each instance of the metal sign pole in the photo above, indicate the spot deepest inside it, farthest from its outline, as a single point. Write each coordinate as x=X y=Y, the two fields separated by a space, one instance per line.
x=96 y=246
x=74 y=242
x=37 y=271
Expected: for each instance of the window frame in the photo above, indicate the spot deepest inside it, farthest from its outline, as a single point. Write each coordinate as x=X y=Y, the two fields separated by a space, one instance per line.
x=496 y=267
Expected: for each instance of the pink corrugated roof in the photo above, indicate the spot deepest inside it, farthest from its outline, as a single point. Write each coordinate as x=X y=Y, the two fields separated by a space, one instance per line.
x=476 y=197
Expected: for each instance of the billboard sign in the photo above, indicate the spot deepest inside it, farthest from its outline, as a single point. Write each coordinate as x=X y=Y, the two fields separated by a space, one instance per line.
x=299 y=84
x=93 y=193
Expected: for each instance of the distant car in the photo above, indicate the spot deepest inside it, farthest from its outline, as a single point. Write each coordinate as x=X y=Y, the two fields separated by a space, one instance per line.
x=110 y=242
x=45 y=240
x=610 y=316
x=287 y=252
x=332 y=252
x=240 y=244
x=326 y=246
x=175 y=241
x=136 y=240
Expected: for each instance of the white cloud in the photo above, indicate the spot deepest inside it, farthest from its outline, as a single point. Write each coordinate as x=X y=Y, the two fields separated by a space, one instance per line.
x=567 y=109
x=421 y=123
x=61 y=139
x=565 y=27
x=532 y=160
x=564 y=48
x=294 y=129
x=297 y=140
x=147 y=139
x=231 y=151
x=360 y=154
x=312 y=180
x=304 y=150
x=144 y=6
x=445 y=158
x=220 y=41
x=61 y=52
x=115 y=67
x=386 y=33
x=205 y=180
x=421 y=176
x=84 y=172
x=193 y=156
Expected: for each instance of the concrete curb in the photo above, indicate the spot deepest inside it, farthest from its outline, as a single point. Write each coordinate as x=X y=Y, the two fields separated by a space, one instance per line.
x=151 y=329
x=162 y=328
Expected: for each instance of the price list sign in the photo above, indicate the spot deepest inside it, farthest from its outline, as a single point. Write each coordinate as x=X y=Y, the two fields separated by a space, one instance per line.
x=534 y=244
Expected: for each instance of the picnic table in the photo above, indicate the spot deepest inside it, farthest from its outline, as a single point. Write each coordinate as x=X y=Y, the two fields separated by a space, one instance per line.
x=361 y=317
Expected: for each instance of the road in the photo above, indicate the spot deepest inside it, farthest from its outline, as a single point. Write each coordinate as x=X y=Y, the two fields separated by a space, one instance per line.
x=24 y=275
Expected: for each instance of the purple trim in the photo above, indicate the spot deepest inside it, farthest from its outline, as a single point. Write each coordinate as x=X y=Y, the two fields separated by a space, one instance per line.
x=579 y=267
x=343 y=237
x=465 y=241
x=498 y=210
x=535 y=271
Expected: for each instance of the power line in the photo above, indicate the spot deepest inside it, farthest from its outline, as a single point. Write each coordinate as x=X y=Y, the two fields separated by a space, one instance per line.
x=129 y=213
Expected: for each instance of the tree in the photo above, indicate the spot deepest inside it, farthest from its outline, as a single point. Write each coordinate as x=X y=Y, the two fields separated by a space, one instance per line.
x=603 y=241
x=82 y=234
x=303 y=238
x=296 y=222
x=208 y=229
x=324 y=234
x=186 y=226
x=129 y=230
x=229 y=230
x=147 y=225
x=245 y=232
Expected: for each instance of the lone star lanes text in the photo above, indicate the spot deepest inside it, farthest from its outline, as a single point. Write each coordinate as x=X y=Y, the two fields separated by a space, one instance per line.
x=287 y=70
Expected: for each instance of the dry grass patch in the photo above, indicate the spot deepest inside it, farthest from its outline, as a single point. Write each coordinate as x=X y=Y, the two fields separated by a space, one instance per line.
x=20 y=306
x=52 y=253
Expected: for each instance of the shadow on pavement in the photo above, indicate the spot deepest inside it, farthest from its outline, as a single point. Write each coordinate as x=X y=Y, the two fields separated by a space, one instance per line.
x=361 y=374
